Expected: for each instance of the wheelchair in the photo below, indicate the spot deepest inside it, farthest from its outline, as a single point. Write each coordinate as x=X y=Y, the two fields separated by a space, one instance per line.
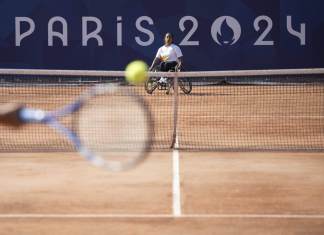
x=154 y=83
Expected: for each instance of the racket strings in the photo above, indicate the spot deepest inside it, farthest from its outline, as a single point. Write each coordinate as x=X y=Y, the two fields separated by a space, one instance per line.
x=115 y=127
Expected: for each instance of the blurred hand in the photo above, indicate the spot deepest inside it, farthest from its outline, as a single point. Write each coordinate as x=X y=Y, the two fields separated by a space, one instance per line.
x=9 y=114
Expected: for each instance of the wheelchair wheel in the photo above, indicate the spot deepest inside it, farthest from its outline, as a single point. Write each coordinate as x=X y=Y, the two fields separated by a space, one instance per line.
x=169 y=86
x=150 y=85
x=185 y=85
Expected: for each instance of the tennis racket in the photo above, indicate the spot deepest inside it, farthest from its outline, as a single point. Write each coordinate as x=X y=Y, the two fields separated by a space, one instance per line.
x=112 y=126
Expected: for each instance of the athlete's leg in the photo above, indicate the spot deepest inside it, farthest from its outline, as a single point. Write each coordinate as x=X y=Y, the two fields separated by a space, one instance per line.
x=162 y=67
x=171 y=65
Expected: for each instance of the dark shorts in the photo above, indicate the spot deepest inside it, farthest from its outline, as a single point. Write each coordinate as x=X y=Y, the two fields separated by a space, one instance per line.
x=167 y=66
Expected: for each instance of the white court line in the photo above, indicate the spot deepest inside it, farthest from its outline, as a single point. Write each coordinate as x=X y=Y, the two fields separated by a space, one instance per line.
x=176 y=195
x=255 y=116
x=161 y=216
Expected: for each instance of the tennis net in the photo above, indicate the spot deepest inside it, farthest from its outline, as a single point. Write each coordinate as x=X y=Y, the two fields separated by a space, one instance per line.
x=264 y=110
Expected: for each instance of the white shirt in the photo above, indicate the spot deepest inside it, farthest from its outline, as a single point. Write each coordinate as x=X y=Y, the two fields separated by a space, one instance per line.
x=169 y=53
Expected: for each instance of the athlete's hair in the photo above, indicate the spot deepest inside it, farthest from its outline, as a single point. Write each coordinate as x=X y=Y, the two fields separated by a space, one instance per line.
x=171 y=34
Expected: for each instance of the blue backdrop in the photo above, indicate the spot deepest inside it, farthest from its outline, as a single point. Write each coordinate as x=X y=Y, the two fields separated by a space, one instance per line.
x=213 y=35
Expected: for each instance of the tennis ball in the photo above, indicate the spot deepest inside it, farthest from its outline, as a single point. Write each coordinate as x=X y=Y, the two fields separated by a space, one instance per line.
x=136 y=72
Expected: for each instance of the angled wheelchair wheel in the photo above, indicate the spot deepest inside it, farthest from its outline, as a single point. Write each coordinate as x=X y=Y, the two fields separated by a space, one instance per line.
x=150 y=85
x=169 y=86
x=185 y=85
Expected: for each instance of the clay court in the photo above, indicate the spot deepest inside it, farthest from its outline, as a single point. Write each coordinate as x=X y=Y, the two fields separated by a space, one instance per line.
x=231 y=193
x=239 y=168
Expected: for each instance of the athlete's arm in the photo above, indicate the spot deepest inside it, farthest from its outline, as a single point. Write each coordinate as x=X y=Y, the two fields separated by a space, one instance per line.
x=180 y=63
x=155 y=62
x=179 y=57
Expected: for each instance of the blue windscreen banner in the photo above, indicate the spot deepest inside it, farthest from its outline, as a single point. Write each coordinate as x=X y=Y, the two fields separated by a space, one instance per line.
x=213 y=35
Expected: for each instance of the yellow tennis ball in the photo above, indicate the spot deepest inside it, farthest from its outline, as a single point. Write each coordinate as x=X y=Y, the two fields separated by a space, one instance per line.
x=136 y=72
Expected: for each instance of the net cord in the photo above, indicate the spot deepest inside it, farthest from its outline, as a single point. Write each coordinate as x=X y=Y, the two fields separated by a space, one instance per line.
x=93 y=73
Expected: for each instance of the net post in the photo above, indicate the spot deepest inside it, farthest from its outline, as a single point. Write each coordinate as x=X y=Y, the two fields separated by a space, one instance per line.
x=174 y=143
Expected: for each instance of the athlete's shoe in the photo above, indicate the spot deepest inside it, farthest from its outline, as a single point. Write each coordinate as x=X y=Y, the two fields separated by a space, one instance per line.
x=163 y=80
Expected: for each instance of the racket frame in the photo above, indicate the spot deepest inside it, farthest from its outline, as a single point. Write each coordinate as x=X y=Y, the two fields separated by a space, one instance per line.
x=51 y=118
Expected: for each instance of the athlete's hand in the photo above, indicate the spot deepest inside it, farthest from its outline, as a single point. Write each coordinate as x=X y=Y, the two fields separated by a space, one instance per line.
x=9 y=114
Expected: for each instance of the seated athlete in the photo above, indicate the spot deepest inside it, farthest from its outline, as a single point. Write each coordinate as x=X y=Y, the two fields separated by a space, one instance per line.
x=169 y=57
